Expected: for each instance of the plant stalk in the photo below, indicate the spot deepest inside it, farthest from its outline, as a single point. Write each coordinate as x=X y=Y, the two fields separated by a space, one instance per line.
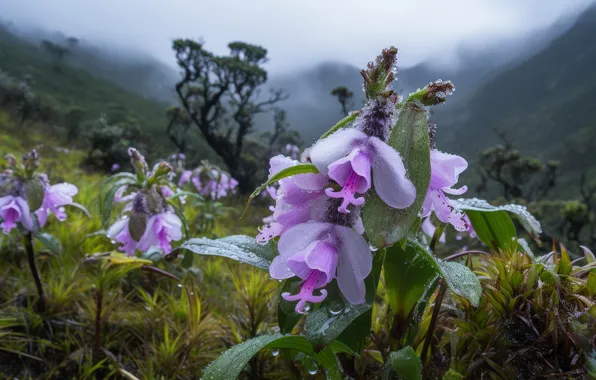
x=99 y=306
x=28 y=243
x=433 y=320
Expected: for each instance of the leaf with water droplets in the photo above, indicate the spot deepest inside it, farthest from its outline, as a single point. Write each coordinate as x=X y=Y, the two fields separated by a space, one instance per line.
x=231 y=363
x=241 y=248
x=385 y=225
x=527 y=220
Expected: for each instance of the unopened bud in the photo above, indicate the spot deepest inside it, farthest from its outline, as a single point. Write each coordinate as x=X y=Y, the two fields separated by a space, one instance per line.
x=380 y=74
x=161 y=169
x=31 y=161
x=434 y=93
x=138 y=162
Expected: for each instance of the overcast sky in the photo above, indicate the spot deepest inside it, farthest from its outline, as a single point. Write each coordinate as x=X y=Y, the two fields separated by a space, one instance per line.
x=297 y=33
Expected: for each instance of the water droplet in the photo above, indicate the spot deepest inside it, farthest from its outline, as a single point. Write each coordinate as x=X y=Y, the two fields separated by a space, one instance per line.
x=336 y=307
x=179 y=285
x=313 y=368
x=274 y=352
x=306 y=308
x=113 y=241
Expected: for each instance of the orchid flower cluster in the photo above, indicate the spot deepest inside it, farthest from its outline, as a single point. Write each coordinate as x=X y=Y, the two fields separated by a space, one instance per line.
x=147 y=219
x=27 y=198
x=209 y=181
x=317 y=215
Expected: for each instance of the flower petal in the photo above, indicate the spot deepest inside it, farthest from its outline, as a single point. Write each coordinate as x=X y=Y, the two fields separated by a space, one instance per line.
x=26 y=219
x=335 y=146
x=354 y=263
x=389 y=176
x=300 y=236
x=445 y=168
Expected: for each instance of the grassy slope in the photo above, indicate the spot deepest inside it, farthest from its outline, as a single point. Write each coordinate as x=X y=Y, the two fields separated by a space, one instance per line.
x=70 y=87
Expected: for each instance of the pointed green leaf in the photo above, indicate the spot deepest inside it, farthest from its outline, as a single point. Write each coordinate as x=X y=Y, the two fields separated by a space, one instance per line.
x=494 y=228
x=527 y=220
x=453 y=375
x=385 y=225
x=346 y=121
x=408 y=273
x=50 y=242
x=241 y=248
x=591 y=283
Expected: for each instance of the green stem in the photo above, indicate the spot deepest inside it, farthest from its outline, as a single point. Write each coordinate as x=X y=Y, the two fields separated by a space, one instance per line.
x=433 y=320
x=99 y=306
x=340 y=124
x=437 y=235
x=28 y=243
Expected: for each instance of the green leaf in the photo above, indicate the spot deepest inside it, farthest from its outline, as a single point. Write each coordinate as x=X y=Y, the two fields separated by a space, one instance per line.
x=231 y=363
x=459 y=278
x=406 y=364
x=287 y=318
x=180 y=215
x=527 y=220
x=340 y=124
x=50 y=242
x=244 y=249
x=591 y=283
x=107 y=201
x=495 y=229
x=287 y=172
x=385 y=225
x=453 y=375
x=337 y=318
x=409 y=273
x=189 y=194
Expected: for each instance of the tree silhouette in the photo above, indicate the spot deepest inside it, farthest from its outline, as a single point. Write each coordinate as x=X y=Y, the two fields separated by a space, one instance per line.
x=56 y=51
x=178 y=126
x=344 y=96
x=215 y=87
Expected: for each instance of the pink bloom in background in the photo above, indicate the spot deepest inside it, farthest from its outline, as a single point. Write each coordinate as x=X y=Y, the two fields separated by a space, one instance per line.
x=161 y=229
x=348 y=157
x=119 y=232
x=166 y=191
x=445 y=171
x=184 y=178
x=14 y=210
x=115 y=167
x=54 y=199
x=299 y=199
x=319 y=252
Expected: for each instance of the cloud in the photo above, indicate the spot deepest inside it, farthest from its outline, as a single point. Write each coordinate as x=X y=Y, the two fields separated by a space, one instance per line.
x=297 y=33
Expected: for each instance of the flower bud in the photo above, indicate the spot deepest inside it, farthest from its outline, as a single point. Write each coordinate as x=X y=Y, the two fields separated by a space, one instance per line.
x=31 y=161
x=138 y=162
x=11 y=161
x=161 y=169
x=34 y=192
x=379 y=74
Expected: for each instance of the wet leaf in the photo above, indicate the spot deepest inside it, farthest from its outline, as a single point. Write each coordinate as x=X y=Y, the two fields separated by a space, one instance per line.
x=241 y=248
x=494 y=228
x=50 y=242
x=405 y=363
x=385 y=225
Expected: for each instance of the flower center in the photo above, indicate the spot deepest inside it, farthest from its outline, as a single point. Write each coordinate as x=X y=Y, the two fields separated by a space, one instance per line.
x=315 y=279
x=347 y=192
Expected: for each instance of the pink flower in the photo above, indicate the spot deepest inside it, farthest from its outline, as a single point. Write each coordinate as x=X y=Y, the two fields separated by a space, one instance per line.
x=349 y=156
x=14 y=210
x=161 y=229
x=298 y=199
x=184 y=177
x=445 y=171
x=119 y=232
x=319 y=252
x=429 y=230
x=55 y=197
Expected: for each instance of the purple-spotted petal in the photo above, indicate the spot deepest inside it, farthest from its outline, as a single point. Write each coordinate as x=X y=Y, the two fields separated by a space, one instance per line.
x=324 y=259
x=334 y=147
x=389 y=176
x=300 y=236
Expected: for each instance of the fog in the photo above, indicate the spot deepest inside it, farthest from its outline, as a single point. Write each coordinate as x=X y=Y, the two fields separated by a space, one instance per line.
x=298 y=33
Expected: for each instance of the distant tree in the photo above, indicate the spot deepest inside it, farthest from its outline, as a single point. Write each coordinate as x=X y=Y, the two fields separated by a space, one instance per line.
x=281 y=135
x=344 y=96
x=56 y=51
x=178 y=125
x=517 y=176
x=214 y=86
x=72 y=42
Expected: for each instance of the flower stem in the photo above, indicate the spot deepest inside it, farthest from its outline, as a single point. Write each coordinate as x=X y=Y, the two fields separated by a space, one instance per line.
x=28 y=243
x=437 y=235
x=433 y=320
x=99 y=306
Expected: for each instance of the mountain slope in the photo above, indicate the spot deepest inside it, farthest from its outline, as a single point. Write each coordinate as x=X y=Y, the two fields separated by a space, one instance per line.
x=543 y=103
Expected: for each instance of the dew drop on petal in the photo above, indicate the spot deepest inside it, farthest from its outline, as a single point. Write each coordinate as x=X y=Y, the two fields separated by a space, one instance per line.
x=275 y=352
